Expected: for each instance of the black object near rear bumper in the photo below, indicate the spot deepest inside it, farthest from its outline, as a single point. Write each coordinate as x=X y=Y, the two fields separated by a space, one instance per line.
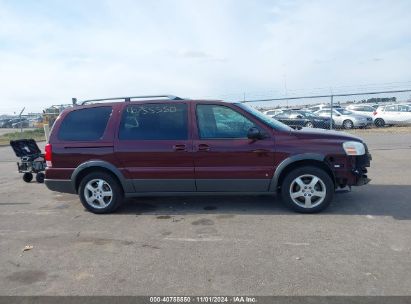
x=59 y=185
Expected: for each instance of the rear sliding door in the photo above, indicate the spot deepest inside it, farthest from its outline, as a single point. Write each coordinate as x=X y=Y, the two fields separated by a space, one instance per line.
x=154 y=148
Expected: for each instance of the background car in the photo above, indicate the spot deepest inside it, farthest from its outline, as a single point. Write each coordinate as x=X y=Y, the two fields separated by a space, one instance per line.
x=20 y=123
x=9 y=122
x=4 y=123
x=299 y=119
x=365 y=110
x=398 y=114
x=346 y=119
x=273 y=112
x=321 y=107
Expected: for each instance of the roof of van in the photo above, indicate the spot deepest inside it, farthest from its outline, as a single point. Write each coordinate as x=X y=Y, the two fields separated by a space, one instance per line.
x=144 y=98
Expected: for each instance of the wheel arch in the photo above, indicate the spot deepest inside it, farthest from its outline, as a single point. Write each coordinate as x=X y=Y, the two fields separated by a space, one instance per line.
x=295 y=161
x=100 y=165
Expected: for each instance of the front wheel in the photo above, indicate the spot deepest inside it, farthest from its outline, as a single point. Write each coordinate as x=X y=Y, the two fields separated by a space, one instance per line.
x=348 y=124
x=307 y=189
x=309 y=124
x=100 y=192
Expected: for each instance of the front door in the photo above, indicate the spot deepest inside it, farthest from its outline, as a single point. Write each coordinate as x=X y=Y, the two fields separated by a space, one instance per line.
x=154 y=148
x=225 y=159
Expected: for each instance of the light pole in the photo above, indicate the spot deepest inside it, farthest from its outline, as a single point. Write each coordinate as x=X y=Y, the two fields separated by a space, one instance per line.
x=21 y=123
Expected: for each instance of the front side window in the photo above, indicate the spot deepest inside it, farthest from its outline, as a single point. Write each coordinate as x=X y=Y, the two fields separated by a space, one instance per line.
x=216 y=121
x=165 y=121
x=84 y=124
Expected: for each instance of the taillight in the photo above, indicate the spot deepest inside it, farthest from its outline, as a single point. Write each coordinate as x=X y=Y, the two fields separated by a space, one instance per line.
x=48 y=155
x=374 y=113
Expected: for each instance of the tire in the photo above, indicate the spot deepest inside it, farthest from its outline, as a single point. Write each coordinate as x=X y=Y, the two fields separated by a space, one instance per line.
x=379 y=123
x=348 y=124
x=94 y=192
x=308 y=201
x=40 y=177
x=27 y=177
x=309 y=124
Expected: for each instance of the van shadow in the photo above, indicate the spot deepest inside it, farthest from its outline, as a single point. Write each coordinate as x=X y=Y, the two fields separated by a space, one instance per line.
x=375 y=200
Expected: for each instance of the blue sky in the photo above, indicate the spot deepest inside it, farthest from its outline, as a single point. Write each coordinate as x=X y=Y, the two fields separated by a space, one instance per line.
x=51 y=51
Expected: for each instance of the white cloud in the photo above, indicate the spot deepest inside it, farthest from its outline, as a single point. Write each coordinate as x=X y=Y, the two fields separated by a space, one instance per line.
x=52 y=51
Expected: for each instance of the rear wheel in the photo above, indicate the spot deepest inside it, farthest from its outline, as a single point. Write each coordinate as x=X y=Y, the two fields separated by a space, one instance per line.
x=100 y=192
x=348 y=124
x=379 y=122
x=307 y=189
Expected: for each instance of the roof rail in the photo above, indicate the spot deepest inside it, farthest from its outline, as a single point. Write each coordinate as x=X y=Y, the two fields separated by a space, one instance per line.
x=126 y=99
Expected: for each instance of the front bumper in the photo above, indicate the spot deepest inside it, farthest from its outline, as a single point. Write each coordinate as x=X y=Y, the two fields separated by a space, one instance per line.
x=359 y=170
x=352 y=170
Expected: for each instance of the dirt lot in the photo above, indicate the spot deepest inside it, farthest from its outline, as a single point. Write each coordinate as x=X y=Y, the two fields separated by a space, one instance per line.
x=212 y=245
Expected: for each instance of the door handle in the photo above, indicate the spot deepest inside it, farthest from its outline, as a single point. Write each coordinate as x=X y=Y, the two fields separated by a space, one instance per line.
x=261 y=151
x=203 y=147
x=179 y=147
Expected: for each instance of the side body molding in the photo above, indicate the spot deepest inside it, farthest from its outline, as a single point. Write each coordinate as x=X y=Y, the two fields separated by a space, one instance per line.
x=289 y=160
x=126 y=184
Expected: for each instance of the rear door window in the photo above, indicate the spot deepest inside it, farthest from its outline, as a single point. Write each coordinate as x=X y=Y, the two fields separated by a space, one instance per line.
x=84 y=124
x=165 y=121
x=391 y=108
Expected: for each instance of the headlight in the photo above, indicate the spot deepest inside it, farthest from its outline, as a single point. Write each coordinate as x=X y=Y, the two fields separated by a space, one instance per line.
x=354 y=148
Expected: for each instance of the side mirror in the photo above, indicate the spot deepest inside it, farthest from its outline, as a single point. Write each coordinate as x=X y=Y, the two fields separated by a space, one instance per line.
x=337 y=114
x=254 y=133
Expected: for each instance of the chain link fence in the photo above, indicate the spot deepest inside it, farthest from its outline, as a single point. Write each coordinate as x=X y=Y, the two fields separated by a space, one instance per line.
x=340 y=111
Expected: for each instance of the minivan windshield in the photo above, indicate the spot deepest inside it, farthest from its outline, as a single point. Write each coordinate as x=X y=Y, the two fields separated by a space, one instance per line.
x=273 y=123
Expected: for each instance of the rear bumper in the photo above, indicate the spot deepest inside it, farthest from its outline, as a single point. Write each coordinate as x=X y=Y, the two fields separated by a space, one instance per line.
x=60 y=185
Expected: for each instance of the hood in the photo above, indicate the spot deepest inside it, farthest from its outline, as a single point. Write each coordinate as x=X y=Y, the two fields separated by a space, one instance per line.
x=311 y=133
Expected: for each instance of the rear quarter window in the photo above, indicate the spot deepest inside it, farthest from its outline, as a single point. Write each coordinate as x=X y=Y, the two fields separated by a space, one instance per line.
x=84 y=124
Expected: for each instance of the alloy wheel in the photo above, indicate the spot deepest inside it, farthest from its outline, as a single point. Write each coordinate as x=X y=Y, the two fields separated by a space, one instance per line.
x=307 y=191
x=98 y=193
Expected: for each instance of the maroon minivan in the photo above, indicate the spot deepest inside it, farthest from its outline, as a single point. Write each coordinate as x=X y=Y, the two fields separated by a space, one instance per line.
x=107 y=149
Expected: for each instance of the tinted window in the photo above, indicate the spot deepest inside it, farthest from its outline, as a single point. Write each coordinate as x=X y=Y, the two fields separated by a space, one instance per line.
x=221 y=122
x=284 y=114
x=404 y=108
x=296 y=115
x=342 y=111
x=308 y=114
x=362 y=108
x=390 y=108
x=85 y=124
x=157 y=121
